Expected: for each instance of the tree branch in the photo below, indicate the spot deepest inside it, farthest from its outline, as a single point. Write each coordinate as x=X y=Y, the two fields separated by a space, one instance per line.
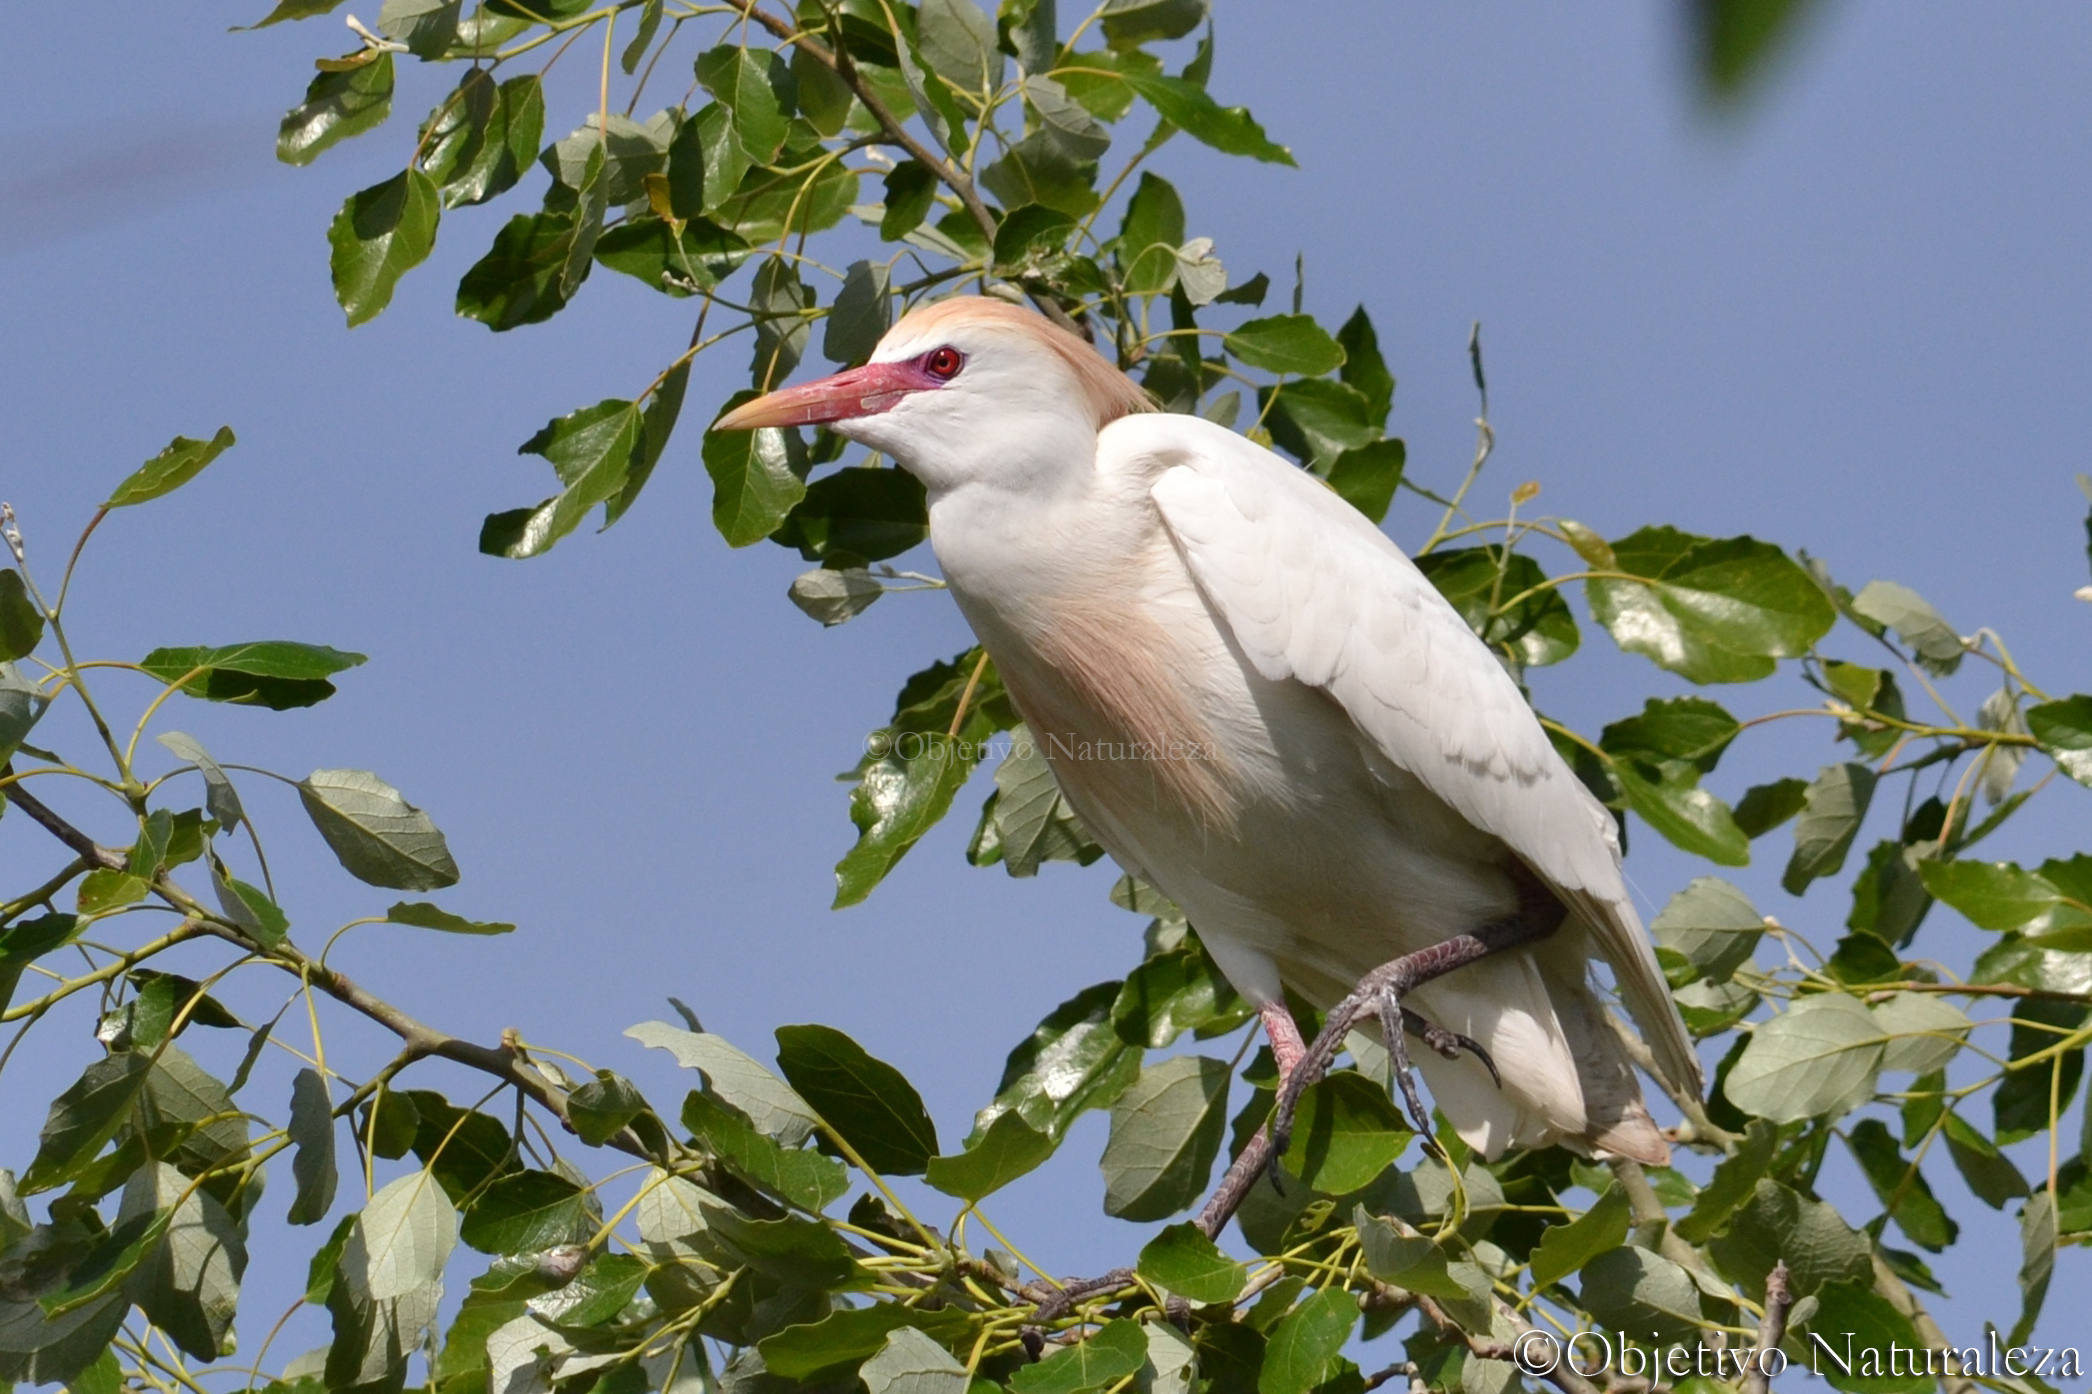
x=1779 y=1300
x=87 y=848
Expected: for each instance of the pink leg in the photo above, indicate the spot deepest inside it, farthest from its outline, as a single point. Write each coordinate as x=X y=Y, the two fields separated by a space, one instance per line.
x=1286 y=1046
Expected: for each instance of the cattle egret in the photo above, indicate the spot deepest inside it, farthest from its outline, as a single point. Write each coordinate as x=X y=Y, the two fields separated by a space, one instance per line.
x=1258 y=704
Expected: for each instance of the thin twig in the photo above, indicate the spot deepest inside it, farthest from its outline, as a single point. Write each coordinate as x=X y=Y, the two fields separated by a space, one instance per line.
x=1779 y=1300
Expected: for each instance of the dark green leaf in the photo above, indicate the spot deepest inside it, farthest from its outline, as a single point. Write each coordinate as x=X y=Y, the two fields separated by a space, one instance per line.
x=21 y=622
x=85 y=1117
x=427 y=27
x=1855 y=1321
x=899 y=796
x=1735 y=42
x=1317 y=420
x=1709 y=610
x=600 y=1109
x=911 y=191
x=380 y=234
x=274 y=673
x=1074 y=1061
x=869 y=1102
x=1686 y=815
x=483 y=139
x=1990 y=1174
x=526 y=1211
x=1149 y=236
x=1836 y=803
x=1185 y=105
x=800 y=1253
x=806 y=1179
x=1303 y=1348
x=2064 y=730
x=465 y=1150
x=1115 y=1352
x=1734 y=1183
x=836 y=1345
x=311 y=1129
x=379 y=837
x=518 y=281
x=758 y=478
x=1286 y=344
x=1777 y=1224
x=249 y=907
x=1634 y=1291
x=1131 y=23
x=1170 y=993
x=753 y=85
x=678 y=263
x=1347 y=1132
x=2022 y=1104
x=1689 y=729
x=1565 y=1249
x=594 y=451
x=180 y=462
x=1533 y=631
x=1366 y=478
x=958 y=43
x=1165 y=1133
x=868 y=514
x=1764 y=807
x=423 y=915
x=861 y=315
x=1901 y=1188
x=25 y=941
x=1187 y=1263
x=338 y=104
x=1008 y=1149
x=1364 y=369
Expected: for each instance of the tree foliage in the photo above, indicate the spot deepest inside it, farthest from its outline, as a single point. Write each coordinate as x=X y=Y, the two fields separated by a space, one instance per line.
x=759 y=1244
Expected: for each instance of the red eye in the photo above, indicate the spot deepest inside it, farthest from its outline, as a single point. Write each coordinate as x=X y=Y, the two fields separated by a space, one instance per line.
x=943 y=364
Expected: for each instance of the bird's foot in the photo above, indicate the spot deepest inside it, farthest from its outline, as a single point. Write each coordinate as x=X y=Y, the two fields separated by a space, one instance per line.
x=1449 y=1043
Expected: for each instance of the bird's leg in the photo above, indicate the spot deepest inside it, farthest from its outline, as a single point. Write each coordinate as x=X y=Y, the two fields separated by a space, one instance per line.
x=1287 y=1047
x=1539 y=914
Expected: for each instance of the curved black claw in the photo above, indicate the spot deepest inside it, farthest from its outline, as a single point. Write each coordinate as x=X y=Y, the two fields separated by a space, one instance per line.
x=1449 y=1043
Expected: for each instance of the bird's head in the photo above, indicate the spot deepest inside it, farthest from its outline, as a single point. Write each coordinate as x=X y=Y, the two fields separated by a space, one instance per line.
x=967 y=389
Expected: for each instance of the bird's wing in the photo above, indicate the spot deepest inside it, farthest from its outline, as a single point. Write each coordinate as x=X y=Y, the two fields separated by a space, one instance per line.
x=1312 y=591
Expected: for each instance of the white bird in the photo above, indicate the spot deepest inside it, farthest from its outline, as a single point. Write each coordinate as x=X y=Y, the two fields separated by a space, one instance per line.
x=1257 y=703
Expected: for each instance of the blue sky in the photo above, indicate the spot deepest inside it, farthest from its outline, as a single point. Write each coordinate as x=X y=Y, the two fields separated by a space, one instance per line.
x=1855 y=323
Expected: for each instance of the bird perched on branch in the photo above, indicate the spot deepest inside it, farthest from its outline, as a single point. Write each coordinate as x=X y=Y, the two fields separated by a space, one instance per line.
x=1309 y=750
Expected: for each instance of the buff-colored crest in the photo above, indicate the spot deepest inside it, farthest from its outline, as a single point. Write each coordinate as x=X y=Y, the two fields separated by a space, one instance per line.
x=1108 y=393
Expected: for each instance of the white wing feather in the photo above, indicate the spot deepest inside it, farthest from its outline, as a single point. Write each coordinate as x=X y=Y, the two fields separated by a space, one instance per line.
x=1312 y=591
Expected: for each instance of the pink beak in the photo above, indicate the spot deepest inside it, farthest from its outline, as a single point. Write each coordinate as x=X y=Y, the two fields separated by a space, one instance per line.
x=865 y=391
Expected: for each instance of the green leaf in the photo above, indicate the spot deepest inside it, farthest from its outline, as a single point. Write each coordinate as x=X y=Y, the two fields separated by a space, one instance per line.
x=911 y=1363
x=911 y=191
x=180 y=462
x=1925 y=1031
x=1184 y=1261
x=804 y=1178
x=1708 y=610
x=869 y=1102
x=1185 y=105
x=1174 y=992
x=594 y=452
x=25 y=941
x=2064 y=730
x=1692 y=730
x=21 y=706
x=1008 y=1149
x=1366 y=478
x=380 y=234
x=1131 y=23
x=758 y=477
x=527 y=1211
x=1902 y=1189
x=1347 y=1132
x=861 y=315
x=1777 y=1224
x=338 y=104
x=1364 y=369
x=1165 y=1133
x=2001 y=895
x=754 y=86
x=1285 y=344
x=838 y=1343
x=379 y=838
x=958 y=43
x=1686 y=815
x=1734 y=1183
x=519 y=280
x=835 y=597
x=1318 y=420
x=1735 y=42
x=1565 y=1249
x=1632 y=1290
x=1931 y=639
x=105 y=889
x=1713 y=924
x=311 y=1130
x=1709 y=1009
x=1149 y=236
x=899 y=797
x=2037 y=1237
x=274 y=673
x=2021 y=1107
x=1990 y=1174
x=220 y=799
x=741 y=1080
x=1534 y=631
x=85 y=1117
x=249 y=907
x=1854 y=1320
x=676 y=261
x=189 y=1284
x=1398 y=1254
x=388 y=1281
x=1303 y=1348
x=427 y=27
x=864 y=514
x=600 y=1109
x=484 y=138
x=423 y=915
x=1836 y=804
x=1817 y=1059
x=1072 y=1062
x=1119 y=1349
x=1764 y=807
x=293 y=9
x=795 y=1252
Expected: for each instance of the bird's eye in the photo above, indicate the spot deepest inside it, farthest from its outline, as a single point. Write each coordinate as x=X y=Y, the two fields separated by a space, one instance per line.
x=943 y=364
